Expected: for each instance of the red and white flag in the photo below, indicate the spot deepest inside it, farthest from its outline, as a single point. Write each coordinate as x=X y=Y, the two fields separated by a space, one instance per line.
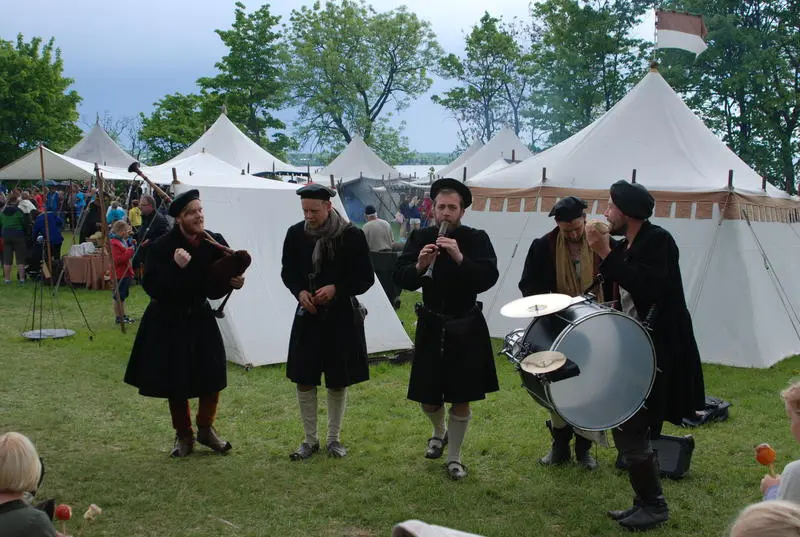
x=680 y=30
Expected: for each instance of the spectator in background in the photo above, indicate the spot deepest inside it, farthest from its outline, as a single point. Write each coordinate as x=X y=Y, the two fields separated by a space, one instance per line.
x=115 y=213
x=51 y=203
x=25 y=204
x=54 y=227
x=122 y=253
x=91 y=220
x=38 y=199
x=377 y=231
x=414 y=216
x=786 y=486
x=154 y=225
x=13 y=227
x=135 y=216
x=426 y=209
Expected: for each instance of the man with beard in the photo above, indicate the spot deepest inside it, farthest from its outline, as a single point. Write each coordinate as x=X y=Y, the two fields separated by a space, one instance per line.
x=646 y=277
x=178 y=352
x=153 y=225
x=453 y=358
x=561 y=262
x=325 y=266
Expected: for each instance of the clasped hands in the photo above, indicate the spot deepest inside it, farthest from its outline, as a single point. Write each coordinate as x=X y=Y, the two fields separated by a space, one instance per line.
x=431 y=251
x=322 y=297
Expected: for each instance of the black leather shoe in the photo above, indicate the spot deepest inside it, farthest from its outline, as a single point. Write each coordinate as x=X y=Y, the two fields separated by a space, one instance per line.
x=435 y=447
x=304 y=451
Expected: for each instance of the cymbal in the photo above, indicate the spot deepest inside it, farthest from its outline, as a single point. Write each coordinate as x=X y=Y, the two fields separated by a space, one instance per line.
x=536 y=306
x=543 y=361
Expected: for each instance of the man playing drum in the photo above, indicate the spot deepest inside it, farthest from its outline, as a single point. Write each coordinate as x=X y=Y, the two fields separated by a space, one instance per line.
x=453 y=358
x=561 y=262
x=646 y=277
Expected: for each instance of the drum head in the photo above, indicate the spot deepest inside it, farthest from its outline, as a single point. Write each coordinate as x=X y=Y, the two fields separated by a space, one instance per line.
x=617 y=369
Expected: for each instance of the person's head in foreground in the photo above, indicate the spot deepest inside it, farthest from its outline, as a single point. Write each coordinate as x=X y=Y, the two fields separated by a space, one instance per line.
x=20 y=467
x=774 y=518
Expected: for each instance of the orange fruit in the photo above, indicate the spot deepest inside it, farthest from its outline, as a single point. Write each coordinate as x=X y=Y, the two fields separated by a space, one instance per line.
x=765 y=454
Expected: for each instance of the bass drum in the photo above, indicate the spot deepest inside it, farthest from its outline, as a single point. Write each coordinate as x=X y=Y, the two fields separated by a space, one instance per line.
x=615 y=356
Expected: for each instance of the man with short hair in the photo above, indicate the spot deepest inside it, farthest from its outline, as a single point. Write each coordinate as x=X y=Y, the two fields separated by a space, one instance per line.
x=154 y=225
x=453 y=358
x=562 y=262
x=646 y=277
x=325 y=265
x=381 y=251
x=377 y=231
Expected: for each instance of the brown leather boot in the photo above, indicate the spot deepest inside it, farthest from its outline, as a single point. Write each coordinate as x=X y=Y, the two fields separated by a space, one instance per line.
x=184 y=444
x=209 y=437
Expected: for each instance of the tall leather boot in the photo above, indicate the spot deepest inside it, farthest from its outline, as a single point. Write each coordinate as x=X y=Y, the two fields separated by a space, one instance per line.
x=583 y=453
x=646 y=482
x=559 y=451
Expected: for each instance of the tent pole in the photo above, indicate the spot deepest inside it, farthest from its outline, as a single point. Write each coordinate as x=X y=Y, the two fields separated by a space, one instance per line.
x=730 y=179
x=333 y=185
x=49 y=263
x=544 y=175
x=633 y=176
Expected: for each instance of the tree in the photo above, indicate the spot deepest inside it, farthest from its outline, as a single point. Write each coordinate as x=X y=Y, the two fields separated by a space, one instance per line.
x=350 y=66
x=250 y=82
x=176 y=123
x=587 y=60
x=489 y=78
x=36 y=104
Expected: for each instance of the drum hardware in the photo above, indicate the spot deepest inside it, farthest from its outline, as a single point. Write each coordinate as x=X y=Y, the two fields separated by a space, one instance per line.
x=536 y=306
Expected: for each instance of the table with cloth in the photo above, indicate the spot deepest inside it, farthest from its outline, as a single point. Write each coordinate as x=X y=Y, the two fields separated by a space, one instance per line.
x=89 y=270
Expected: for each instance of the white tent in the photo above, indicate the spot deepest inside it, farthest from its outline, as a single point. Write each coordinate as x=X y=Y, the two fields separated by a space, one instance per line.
x=56 y=166
x=458 y=163
x=356 y=161
x=225 y=141
x=253 y=214
x=504 y=146
x=97 y=146
x=739 y=245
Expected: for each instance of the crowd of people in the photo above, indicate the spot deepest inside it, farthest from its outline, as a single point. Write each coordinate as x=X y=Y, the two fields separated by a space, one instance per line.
x=178 y=353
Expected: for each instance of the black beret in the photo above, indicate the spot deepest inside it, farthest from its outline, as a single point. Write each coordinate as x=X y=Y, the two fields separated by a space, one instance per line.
x=180 y=203
x=452 y=184
x=316 y=191
x=369 y=209
x=568 y=209
x=632 y=199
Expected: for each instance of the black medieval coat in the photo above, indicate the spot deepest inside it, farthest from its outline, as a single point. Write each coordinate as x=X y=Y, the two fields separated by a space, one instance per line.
x=178 y=351
x=153 y=226
x=452 y=351
x=650 y=272
x=539 y=272
x=332 y=341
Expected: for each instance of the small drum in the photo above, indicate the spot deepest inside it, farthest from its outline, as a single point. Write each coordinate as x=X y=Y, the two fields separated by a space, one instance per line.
x=615 y=359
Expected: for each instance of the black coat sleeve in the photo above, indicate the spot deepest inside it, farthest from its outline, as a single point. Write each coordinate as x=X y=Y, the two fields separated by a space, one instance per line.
x=405 y=271
x=356 y=273
x=536 y=274
x=163 y=278
x=479 y=269
x=645 y=275
x=292 y=267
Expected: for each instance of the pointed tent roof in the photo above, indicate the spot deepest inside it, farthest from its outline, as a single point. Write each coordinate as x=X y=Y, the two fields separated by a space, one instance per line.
x=458 y=163
x=358 y=160
x=503 y=145
x=225 y=141
x=57 y=166
x=650 y=130
x=97 y=146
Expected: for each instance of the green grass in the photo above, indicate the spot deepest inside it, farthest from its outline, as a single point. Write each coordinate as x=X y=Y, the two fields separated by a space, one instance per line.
x=105 y=444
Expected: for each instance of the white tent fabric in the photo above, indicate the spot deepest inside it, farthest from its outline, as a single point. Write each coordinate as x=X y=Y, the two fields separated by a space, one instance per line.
x=458 y=163
x=650 y=130
x=504 y=145
x=225 y=141
x=203 y=168
x=56 y=166
x=497 y=165
x=356 y=161
x=253 y=214
x=738 y=271
x=97 y=146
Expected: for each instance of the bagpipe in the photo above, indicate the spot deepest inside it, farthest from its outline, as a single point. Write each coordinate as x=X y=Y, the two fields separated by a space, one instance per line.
x=232 y=264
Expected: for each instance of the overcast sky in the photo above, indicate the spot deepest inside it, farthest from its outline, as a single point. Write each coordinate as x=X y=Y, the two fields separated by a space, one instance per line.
x=126 y=55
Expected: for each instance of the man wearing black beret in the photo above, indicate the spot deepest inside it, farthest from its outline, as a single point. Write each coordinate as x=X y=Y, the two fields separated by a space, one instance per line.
x=562 y=262
x=646 y=277
x=178 y=352
x=453 y=358
x=325 y=265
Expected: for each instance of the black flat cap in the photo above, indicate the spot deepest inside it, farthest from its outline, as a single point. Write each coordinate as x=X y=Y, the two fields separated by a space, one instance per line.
x=632 y=199
x=369 y=209
x=568 y=209
x=452 y=184
x=316 y=191
x=180 y=203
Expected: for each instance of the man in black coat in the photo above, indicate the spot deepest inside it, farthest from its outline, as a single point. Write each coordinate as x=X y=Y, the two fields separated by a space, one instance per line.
x=154 y=225
x=644 y=269
x=178 y=352
x=325 y=266
x=453 y=358
x=561 y=262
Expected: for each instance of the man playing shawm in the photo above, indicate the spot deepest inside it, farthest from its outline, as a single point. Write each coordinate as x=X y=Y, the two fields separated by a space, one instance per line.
x=561 y=262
